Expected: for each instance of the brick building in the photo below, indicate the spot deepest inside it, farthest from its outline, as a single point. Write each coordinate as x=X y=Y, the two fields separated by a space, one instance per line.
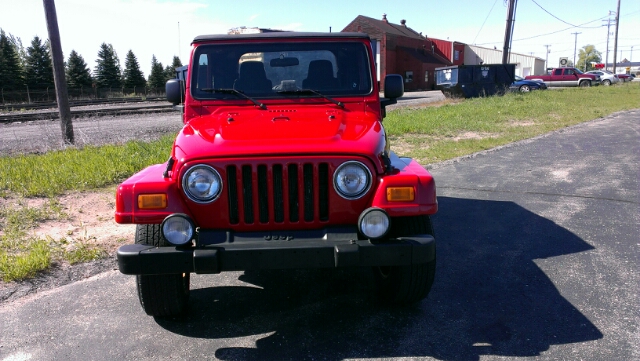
x=401 y=50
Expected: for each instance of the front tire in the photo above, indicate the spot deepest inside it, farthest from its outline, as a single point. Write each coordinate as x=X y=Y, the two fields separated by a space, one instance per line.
x=406 y=285
x=161 y=295
x=585 y=83
x=606 y=82
x=525 y=88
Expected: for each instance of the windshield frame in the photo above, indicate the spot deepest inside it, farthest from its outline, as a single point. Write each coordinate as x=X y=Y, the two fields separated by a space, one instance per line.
x=227 y=57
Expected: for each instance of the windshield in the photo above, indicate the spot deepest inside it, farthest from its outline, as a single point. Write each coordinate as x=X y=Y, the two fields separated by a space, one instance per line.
x=447 y=76
x=280 y=70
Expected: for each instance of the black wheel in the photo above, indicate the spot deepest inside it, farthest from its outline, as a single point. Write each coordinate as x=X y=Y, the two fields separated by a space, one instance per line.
x=405 y=285
x=606 y=82
x=161 y=295
x=585 y=83
x=525 y=88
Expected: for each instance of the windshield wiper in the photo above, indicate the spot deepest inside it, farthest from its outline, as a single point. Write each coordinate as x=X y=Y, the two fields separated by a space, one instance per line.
x=236 y=92
x=311 y=91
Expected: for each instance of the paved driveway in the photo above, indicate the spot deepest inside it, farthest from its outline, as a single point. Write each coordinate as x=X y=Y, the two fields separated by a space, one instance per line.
x=537 y=257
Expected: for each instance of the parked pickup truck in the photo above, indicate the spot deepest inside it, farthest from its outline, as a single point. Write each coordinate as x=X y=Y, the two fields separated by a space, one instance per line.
x=566 y=77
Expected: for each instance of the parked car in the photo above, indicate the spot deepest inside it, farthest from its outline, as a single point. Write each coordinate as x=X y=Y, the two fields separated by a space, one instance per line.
x=523 y=85
x=606 y=78
x=624 y=77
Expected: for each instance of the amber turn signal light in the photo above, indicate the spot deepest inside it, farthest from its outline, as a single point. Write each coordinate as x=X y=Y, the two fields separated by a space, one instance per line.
x=400 y=194
x=152 y=201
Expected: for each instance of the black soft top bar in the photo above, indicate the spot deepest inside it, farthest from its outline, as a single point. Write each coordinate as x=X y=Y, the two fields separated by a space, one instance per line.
x=278 y=35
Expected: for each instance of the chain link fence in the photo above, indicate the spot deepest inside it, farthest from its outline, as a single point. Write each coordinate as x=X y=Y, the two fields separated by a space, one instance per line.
x=48 y=95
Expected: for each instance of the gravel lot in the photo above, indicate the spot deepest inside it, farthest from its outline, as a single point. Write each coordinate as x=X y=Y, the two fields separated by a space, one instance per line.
x=45 y=135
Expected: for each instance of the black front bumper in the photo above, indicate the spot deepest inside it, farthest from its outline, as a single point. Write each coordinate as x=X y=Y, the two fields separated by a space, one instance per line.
x=226 y=251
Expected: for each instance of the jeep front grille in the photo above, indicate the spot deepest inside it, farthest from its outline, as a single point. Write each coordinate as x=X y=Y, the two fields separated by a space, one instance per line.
x=278 y=193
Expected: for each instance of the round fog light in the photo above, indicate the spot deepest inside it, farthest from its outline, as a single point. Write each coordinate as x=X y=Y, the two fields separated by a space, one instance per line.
x=177 y=229
x=374 y=223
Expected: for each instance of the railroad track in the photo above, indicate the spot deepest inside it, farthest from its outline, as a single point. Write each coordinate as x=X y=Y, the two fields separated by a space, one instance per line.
x=77 y=103
x=54 y=115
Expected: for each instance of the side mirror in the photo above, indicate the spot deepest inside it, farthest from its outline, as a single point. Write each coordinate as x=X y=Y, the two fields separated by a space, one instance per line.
x=393 y=86
x=175 y=91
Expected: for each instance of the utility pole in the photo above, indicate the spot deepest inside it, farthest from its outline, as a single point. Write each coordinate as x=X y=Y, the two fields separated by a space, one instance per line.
x=58 y=72
x=615 y=46
x=511 y=11
x=575 y=47
x=606 y=62
x=546 y=60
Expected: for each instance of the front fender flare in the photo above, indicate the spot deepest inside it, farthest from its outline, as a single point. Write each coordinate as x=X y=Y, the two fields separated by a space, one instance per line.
x=148 y=181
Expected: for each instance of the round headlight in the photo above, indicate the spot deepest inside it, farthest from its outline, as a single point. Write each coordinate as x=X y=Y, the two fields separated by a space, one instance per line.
x=374 y=223
x=352 y=180
x=202 y=183
x=177 y=229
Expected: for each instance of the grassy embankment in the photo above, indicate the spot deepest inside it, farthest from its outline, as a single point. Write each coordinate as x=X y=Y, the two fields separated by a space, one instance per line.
x=431 y=134
x=435 y=134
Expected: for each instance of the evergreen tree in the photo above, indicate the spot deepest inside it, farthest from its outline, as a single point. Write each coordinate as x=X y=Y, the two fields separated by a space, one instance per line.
x=38 y=68
x=170 y=70
x=133 y=77
x=19 y=48
x=77 y=72
x=176 y=62
x=11 y=74
x=107 y=71
x=169 y=73
x=157 y=76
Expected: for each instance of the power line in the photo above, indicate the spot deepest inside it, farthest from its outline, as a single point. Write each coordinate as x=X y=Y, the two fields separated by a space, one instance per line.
x=553 y=32
x=545 y=10
x=485 y=20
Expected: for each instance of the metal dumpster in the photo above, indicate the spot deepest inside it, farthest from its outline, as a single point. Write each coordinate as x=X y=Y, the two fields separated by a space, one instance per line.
x=471 y=81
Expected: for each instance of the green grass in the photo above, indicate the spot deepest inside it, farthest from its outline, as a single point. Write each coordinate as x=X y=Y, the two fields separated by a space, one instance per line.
x=55 y=172
x=26 y=264
x=436 y=134
x=23 y=255
x=82 y=252
x=431 y=134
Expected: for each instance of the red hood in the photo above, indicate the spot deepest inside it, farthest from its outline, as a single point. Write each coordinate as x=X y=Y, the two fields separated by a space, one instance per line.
x=280 y=130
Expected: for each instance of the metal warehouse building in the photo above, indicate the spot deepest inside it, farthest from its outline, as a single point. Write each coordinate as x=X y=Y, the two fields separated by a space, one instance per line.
x=525 y=64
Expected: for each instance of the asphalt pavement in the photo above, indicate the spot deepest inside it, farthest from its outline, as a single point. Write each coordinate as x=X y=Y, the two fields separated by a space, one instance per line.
x=537 y=259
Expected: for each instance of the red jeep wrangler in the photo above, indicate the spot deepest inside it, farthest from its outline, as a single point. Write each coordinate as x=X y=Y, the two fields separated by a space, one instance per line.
x=283 y=163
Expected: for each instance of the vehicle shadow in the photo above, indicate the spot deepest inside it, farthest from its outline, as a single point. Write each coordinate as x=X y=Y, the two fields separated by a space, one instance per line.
x=489 y=298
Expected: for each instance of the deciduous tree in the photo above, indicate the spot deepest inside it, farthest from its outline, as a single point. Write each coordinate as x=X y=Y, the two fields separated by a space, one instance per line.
x=587 y=55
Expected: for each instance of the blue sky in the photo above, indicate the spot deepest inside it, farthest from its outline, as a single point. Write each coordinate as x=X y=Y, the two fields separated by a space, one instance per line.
x=166 y=27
